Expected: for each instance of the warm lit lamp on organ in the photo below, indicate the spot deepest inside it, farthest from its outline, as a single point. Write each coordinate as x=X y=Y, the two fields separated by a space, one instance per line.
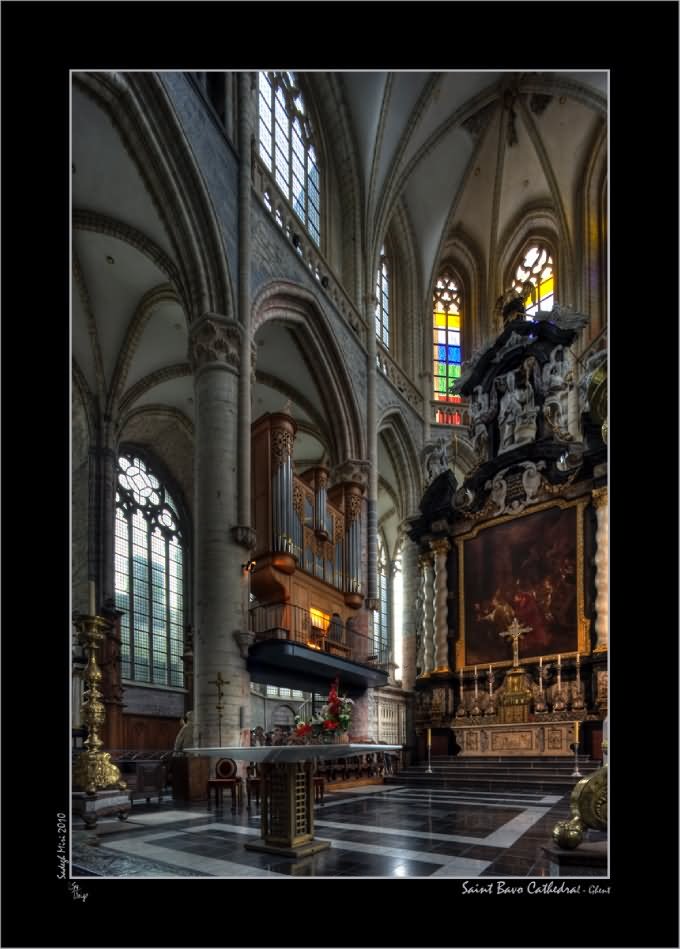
x=247 y=569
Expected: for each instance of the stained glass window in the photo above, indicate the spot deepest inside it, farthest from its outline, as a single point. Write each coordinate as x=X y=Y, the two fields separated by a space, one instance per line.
x=149 y=576
x=382 y=307
x=446 y=344
x=286 y=146
x=535 y=279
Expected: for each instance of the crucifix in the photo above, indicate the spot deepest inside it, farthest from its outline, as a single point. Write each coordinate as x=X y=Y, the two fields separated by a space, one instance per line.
x=514 y=631
x=219 y=682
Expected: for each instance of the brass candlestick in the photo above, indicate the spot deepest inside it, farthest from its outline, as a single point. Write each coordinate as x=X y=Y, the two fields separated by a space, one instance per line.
x=94 y=770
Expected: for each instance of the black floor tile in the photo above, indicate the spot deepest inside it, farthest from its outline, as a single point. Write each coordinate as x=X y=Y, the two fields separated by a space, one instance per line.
x=425 y=817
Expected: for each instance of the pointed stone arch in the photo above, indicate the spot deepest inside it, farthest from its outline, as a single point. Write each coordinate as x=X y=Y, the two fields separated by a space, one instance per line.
x=289 y=303
x=393 y=429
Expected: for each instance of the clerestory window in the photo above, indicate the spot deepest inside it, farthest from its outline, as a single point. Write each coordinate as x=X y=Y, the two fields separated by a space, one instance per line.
x=446 y=331
x=286 y=146
x=382 y=296
x=534 y=279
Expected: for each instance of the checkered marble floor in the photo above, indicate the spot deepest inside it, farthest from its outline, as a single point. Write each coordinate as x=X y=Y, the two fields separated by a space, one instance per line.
x=374 y=831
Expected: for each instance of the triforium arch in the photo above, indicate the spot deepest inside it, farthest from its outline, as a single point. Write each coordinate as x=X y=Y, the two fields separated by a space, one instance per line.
x=288 y=303
x=141 y=112
x=393 y=429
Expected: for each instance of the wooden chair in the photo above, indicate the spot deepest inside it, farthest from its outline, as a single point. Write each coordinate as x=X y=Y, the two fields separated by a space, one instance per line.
x=319 y=786
x=226 y=777
x=253 y=783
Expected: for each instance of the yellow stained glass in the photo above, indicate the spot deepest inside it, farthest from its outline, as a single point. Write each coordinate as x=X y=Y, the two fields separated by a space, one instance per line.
x=547 y=287
x=440 y=319
x=454 y=321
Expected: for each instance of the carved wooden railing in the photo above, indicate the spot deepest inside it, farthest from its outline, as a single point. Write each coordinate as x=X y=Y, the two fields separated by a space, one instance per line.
x=293 y=228
x=293 y=623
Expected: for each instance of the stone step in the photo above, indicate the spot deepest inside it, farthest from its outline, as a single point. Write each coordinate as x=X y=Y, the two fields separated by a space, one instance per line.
x=501 y=768
x=487 y=776
x=510 y=759
x=563 y=785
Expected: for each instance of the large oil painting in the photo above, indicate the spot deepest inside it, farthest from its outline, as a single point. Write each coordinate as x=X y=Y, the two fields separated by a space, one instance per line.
x=527 y=568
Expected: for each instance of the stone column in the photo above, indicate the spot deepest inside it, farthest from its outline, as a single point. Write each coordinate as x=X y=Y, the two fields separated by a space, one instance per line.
x=428 y=613
x=600 y=502
x=245 y=96
x=411 y=578
x=372 y=452
x=215 y=349
x=102 y=516
x=441 y=607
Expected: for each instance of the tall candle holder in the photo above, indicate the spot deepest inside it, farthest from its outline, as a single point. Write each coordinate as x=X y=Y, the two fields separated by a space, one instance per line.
x=476 y=710
x=94 y=770
x=577 y=700
x=428 y=770
x=576 y=773
x=490 y=708
x=558 y=699
x=460 y=711
x=540 y=702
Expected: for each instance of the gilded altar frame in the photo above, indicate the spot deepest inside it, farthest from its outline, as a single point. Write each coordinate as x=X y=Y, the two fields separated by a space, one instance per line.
x=582 y=639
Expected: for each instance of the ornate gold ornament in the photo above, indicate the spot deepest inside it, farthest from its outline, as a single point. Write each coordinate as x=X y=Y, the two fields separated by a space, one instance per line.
x=282 y=446
x=94 y=770
x=588 y=807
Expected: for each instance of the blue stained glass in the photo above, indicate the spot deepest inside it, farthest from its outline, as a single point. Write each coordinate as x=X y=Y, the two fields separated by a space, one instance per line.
x=454 y=353
x=441 y=353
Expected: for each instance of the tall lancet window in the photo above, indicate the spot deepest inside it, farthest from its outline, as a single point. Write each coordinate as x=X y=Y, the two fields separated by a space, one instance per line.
x=286 y=146
x=448 y=307
x=382 y=306
x=534 y=279
x=149 y=575
x=381 y=618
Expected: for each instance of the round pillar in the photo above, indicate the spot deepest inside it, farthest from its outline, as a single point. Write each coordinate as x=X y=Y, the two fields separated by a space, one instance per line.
x=215 y=347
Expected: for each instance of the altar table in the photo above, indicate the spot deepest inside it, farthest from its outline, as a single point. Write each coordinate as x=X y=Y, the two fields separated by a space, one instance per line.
x=287 y=791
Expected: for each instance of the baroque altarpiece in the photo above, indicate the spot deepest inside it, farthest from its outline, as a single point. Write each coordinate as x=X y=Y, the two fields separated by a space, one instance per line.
x=511 y=614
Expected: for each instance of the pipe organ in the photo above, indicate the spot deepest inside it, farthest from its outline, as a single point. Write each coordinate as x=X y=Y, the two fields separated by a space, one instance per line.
x=309 y=532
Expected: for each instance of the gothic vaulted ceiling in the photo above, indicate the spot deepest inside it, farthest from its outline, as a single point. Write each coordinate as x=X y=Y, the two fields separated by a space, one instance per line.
x=469 y=150
x=459 y=153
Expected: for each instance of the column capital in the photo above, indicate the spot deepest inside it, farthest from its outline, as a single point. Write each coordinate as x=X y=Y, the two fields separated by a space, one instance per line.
x=215 y=342
x=600 y=497
x=354 y=470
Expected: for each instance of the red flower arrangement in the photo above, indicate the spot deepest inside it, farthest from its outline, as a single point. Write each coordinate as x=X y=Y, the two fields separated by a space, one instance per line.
x=333 y=719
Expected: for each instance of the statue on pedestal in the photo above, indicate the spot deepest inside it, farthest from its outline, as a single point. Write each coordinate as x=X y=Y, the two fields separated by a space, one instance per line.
x=556 y=392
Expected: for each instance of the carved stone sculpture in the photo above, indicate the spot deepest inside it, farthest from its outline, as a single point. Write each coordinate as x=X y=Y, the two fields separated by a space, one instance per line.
x=479 y=436
x=508 y=412
x=556 y=391
x=436 y=461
